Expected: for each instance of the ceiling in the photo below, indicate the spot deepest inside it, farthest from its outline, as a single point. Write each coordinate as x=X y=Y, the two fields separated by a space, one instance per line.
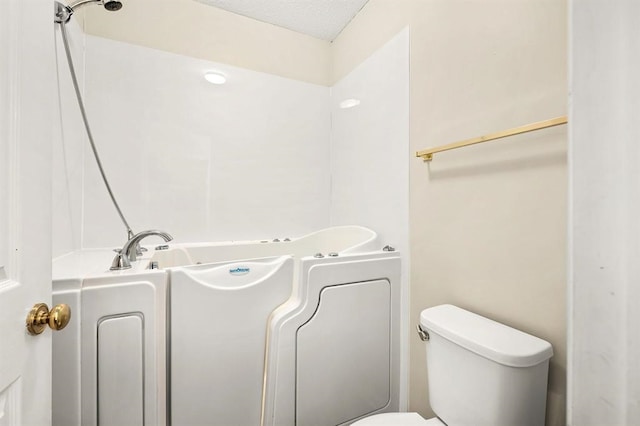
x=323 y=19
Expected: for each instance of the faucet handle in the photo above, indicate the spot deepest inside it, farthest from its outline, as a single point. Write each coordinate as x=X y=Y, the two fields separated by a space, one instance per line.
x=120 y=262
x=140 y=250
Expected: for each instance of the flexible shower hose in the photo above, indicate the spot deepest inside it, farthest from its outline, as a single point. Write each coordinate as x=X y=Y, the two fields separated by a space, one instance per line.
x=63 y=30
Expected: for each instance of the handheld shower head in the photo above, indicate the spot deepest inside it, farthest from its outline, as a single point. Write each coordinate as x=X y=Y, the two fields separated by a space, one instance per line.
x=112 y=5
x=63 y=12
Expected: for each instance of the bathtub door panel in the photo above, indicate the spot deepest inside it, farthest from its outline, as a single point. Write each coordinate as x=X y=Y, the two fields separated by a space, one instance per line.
x=123 y=350
x=323 y=345
x=67 y=357
x=343 y=360
x=219 y=316
x=120 y=371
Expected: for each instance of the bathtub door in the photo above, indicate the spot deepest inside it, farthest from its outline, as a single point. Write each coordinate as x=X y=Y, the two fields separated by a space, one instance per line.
x=219 y=316
x=26 y=109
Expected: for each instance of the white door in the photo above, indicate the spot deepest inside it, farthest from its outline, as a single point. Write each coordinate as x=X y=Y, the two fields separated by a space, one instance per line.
x=27 y=79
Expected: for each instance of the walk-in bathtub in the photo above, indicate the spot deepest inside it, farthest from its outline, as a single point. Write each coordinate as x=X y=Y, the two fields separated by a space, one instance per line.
x=301 y=331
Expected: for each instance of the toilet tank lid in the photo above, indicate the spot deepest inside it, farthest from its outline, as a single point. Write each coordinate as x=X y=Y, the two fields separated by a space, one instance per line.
x=485 y=337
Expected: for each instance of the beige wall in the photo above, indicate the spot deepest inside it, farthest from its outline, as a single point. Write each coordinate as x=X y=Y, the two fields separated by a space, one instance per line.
x=488 y=223
x=191 y=28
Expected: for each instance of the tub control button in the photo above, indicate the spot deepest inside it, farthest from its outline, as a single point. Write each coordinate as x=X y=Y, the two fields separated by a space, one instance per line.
x=388 y=248
x=333 y=254
x=318 y=255
x=276 y=240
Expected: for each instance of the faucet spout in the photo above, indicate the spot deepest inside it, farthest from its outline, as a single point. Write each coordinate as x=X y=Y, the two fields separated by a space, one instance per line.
x=128 y=253
x=129 y=248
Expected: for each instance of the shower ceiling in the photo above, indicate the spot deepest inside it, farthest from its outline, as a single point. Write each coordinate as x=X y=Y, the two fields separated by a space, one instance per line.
x=323 y=19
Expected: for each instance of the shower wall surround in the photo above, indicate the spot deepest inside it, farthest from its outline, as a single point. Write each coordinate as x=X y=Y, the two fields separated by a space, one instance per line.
x=251 y=159
x=69 y=142
x=244 y=160
x=370 y=156
x=370 y=144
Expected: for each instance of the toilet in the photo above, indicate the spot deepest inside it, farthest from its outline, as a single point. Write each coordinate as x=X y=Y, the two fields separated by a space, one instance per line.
x=480 y=373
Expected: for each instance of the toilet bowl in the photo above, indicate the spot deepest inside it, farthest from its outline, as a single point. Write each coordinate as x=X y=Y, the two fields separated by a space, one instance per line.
x=481 y=373
x=398 y=419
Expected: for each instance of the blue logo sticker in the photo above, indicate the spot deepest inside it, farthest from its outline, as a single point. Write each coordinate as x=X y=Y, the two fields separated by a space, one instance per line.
x=240 y=270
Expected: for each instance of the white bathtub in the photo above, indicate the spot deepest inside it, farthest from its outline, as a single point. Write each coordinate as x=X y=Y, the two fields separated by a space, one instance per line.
x=339 y=239
x=261 y=332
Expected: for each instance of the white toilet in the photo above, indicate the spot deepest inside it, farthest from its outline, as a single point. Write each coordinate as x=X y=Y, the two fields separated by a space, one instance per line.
x=480 y=373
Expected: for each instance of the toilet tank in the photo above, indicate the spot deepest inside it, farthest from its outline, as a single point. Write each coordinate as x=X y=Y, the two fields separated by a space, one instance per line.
x=483 y=373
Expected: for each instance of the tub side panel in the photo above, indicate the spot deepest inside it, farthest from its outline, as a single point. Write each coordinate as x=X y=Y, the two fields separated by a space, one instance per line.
x=66 y=346
x=280 y=402
x=343 y=355
x=104 y=298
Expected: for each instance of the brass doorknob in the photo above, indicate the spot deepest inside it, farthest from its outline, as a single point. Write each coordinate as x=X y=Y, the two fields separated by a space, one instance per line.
x=40 y=316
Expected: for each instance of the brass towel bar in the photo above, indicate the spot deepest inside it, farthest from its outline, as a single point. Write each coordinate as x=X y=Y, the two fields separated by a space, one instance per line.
x=427 y=154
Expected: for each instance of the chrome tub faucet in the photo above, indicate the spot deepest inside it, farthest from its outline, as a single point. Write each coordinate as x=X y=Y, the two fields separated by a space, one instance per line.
x=129 y=252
